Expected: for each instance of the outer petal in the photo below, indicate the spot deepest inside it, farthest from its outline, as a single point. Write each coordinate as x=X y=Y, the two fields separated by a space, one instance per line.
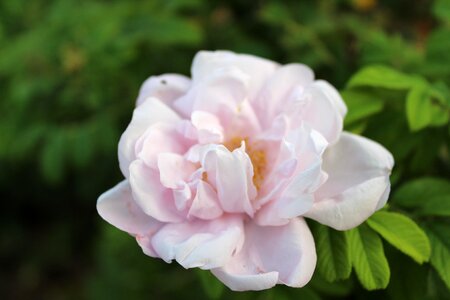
x=159 y=138
x=358 y=182
x=166 y=88
x=153 y=198
x=203 y=244
x=257 y=68
x=150 y=112
x=280 y=254
x=224 y=93
x=317 y=107
x=274 y=95
x=333 y=95
x=117 y=207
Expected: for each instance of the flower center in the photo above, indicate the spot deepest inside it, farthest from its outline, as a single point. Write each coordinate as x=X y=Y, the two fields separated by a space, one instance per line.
x=256 y=154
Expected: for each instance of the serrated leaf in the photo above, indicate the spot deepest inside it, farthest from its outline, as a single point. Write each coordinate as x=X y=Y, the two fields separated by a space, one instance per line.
x=403 y=233
x=379 y=76
x=333 y=255
x=425 y=106
x=368 y=259
x=420 y=192
x=360 y=105
x=439 y=235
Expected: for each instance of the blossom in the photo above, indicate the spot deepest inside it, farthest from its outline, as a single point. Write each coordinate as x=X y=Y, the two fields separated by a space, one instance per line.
x=221 y=170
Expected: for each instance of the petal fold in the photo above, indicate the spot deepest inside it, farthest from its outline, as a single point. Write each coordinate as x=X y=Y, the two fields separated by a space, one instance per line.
x=358 y=182
x=271 y=254
x=151 y=111
x=203 y=244
x=118 y=208
x=151 y=196
x=231 y=173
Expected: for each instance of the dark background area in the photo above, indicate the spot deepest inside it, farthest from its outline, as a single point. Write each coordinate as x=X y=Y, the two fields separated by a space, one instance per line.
x=70 y=72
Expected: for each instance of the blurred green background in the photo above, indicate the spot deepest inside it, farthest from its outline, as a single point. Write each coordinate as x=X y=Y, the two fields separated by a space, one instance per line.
x=70 y=72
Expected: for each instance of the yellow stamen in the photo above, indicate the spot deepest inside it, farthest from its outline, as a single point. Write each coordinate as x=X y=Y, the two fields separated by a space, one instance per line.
x=257 y=156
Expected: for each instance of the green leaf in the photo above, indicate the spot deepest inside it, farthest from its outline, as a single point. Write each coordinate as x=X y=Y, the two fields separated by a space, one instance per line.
x=368 y=257
x=426 y=194
x=441 y=9
x=436 y=206
x=425 y=107
x=333 y=255
x=379 y=76
x=439 y=235
x=360 y=105
x=403 y=233
x=417 y=107
x=212 y=287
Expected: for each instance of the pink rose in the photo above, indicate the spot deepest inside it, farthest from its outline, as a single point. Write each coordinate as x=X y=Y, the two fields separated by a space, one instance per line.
x=221 y=169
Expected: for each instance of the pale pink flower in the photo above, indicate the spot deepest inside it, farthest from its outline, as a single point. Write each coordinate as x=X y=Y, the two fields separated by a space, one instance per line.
x=221 y=169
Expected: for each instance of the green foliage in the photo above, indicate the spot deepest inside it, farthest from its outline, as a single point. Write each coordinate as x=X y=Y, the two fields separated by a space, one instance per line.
x=439 y=234
x=441 y=9
x=333 y=255
x=426 y=107
x=69 y=75
x=362 y=104
x=383 y=77
x=368 y=259
x=427 y=196
x=402 y=233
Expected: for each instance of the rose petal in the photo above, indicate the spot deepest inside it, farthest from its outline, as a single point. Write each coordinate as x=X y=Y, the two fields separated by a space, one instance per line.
x=231 y=173
x=273 y=254
x=166 y=88
x=224 y=93
x=296 y=175
x=161 y=137
x=275 y=93
x=208 y=127
x=358 y=182
x=150 y=112
x=203 y=244
x=117 y=207
x=258 y=69
x=332 y=94
x=223 y=89
x=153 y=198
x=317 y=108
x=174 y=169
x=206 y=203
